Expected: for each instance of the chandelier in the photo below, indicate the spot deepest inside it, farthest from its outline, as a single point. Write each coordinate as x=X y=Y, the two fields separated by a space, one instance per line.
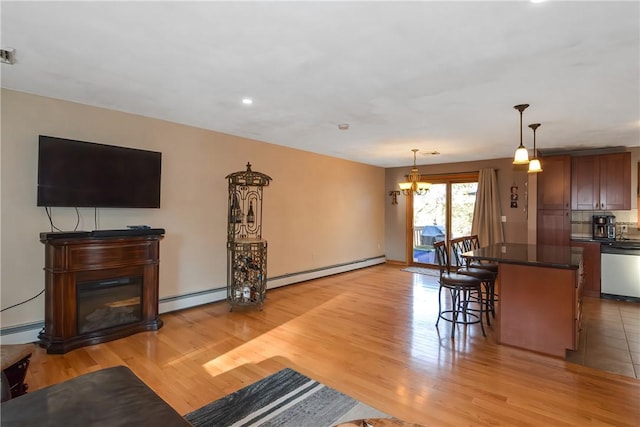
x=522 y=156
x=414 y=183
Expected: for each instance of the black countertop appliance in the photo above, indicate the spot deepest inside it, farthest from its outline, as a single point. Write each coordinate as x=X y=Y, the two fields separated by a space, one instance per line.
x=604 y=227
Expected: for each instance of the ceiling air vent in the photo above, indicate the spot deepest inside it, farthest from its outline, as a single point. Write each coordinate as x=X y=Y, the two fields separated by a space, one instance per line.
x=8 y=56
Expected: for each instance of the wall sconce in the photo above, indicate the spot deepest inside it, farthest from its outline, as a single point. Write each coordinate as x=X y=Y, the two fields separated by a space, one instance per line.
x=394 y=196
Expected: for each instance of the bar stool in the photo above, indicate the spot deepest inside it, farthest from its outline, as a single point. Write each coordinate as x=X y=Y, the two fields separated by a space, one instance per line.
x=472 y=244
x=486 y=276
x=464 y=290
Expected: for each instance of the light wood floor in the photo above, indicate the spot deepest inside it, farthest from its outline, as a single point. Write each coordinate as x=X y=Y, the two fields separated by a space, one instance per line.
x=370 y=334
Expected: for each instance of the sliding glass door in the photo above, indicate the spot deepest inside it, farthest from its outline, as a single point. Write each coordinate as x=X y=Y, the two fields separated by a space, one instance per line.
x=430 y=221
x=444 y=213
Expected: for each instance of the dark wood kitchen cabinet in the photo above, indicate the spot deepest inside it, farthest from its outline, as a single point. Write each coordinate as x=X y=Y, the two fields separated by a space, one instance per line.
x=554 y=183
x=554 y=227
x=601 y=182
x=591 y=267
x=554 y=191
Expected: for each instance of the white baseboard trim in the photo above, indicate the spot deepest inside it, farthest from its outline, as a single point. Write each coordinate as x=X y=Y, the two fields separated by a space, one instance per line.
x=303 y=276
x=181 y=302
x=21 y=334
x=29 y=332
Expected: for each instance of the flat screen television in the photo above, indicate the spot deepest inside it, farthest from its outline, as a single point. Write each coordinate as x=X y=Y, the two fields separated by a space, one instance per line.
x=85 y=174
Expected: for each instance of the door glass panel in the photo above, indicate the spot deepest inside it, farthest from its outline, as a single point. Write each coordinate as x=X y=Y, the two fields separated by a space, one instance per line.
x=463 y=199
x=444 y=213
x=429 y=222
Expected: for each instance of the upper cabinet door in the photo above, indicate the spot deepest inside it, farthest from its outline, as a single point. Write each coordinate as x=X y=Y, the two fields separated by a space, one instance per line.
x=585 y=184
x=601 y=182
x=615 y=181
x=554 y=183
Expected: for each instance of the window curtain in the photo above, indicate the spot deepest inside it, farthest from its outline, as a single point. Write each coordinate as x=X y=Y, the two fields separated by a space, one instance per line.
x=486 y=213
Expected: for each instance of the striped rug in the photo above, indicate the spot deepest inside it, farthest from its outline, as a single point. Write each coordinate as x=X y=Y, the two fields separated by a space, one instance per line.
x=286 y=398
x=421 y=270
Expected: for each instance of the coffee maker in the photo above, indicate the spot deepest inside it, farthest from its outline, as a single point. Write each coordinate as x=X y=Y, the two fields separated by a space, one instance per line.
x=604 y=227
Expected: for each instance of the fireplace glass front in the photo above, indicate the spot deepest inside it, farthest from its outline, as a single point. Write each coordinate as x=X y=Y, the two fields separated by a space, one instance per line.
x=107 y=303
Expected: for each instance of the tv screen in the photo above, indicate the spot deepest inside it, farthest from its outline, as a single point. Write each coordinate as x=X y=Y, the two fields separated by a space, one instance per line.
x=85 y=174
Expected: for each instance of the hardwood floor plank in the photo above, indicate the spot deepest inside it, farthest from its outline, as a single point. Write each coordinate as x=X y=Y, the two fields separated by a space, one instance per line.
x=370 y=334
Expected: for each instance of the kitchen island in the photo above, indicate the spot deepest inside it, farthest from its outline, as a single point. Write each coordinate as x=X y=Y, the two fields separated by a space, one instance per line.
x=540 y=295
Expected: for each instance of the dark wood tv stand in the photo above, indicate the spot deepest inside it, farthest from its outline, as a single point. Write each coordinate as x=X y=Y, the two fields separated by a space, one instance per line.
x=70 y=261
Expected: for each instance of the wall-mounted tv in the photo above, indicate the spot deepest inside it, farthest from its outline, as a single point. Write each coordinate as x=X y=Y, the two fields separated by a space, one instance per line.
x=85 y=174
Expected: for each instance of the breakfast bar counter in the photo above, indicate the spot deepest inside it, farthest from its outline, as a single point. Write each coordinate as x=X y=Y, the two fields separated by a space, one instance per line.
x=540 y=294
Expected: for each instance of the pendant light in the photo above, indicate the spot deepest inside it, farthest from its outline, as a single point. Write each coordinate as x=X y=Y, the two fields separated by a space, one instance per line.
x=414 y=183
x=522 y=156
x=534 y=164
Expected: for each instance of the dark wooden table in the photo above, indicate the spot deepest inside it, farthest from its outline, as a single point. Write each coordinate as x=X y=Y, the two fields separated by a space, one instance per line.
x=108 y=397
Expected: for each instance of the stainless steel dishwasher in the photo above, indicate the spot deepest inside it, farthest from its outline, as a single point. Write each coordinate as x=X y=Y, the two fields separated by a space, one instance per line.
x=620 y=270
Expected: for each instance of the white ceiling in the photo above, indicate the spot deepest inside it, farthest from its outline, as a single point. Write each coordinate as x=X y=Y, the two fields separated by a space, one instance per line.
x=429 y=75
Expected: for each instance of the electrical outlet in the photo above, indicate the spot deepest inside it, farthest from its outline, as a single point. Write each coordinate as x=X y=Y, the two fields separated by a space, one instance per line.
x=623 y=228
x=8 y=55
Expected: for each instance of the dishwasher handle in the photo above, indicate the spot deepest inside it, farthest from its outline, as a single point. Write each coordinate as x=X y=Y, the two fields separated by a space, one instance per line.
x=622 y=250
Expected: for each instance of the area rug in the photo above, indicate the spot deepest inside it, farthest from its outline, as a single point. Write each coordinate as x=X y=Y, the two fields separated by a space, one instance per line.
x=422 y=270
x=286 y=398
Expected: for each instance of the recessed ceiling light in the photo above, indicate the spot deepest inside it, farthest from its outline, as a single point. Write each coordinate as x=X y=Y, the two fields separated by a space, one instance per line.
x=247 y=101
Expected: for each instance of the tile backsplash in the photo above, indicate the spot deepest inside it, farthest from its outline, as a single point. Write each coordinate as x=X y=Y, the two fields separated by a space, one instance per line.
x=581 y=223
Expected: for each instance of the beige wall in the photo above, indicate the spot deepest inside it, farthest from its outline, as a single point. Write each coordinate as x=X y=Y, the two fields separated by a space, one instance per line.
x=518 y=220
x=318 y=211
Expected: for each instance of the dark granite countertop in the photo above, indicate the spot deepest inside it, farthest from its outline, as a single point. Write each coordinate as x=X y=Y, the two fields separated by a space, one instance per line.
x=532 y=255
x=605 y=241
x=587 y=239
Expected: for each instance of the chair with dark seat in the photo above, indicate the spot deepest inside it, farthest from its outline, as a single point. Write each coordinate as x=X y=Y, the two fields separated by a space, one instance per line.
x=465 y=292
x=473 y=243
x=459 y=246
